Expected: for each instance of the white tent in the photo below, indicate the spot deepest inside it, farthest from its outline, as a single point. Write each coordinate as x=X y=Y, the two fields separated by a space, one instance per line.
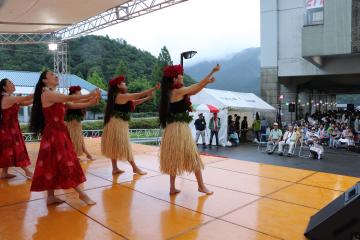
x=243 y=104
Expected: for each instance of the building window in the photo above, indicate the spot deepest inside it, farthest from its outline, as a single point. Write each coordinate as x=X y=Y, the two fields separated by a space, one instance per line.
x=314 y=12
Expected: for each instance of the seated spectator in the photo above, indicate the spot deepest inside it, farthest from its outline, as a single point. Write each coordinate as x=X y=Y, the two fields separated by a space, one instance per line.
x=357 y=125
x=322 y=133
x=274 y=139
x=309 y=137
x=334 y=138
x=347 y=138
x=316 y=150
x=289 y=139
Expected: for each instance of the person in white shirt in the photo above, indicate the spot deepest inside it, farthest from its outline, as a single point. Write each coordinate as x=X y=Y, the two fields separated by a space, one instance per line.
x=289 y=139
x=347 y=137
x=316 y=150
x=274 y=139
x=309 y=136
x=357 y=125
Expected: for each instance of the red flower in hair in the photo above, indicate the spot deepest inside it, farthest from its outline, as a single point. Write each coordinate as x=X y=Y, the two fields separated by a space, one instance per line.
x=116 y=81
x=74 y=89
x=172 y=71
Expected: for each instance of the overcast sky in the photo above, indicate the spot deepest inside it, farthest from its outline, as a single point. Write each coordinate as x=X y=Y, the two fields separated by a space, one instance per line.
x=214 y=28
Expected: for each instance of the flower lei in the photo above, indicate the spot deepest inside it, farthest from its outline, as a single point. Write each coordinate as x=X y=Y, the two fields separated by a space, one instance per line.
x=181 y=117
x=186 y=97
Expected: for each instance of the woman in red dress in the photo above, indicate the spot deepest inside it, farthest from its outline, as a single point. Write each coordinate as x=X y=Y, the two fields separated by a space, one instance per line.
x=12 y=148
x=57 y=166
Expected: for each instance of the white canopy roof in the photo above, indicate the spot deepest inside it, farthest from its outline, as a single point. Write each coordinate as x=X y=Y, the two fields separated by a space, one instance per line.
x=247 y=102
x=45 y=16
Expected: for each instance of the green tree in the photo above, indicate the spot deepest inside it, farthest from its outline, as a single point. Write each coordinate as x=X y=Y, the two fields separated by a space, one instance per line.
x=96 y=79
x=138 y=85
x=122 y=69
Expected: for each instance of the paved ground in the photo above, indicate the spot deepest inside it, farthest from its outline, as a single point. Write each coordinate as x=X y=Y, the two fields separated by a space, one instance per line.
x=338 y=161
x=250 y=201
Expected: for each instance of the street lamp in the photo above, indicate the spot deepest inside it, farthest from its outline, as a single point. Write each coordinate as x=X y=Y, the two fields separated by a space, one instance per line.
x=186 y=55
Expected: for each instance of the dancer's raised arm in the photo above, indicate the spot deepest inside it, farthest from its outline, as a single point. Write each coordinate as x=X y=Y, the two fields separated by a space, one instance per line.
x=55 y=97
x=197 y=87
x=125 y=97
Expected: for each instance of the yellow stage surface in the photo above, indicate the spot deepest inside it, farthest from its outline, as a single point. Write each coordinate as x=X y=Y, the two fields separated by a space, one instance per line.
x=251 y=201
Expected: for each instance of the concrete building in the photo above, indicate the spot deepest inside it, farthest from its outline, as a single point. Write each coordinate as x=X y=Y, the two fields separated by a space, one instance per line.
x=25 y=84
x=309 y=53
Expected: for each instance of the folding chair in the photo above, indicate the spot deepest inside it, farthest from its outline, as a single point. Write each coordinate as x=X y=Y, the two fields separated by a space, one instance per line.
x=304 y=150
x=262 y=145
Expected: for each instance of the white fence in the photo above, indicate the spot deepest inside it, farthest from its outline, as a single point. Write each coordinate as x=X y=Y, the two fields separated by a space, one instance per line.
x=136 y=135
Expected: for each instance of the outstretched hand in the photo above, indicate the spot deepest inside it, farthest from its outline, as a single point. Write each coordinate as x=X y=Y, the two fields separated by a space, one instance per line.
x=216 y=68
x=211 y=80
x=157 y=86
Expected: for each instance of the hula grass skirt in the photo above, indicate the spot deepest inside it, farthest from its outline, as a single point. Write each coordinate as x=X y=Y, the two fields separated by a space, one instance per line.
x=178 y=151
x=115 y=142
x=75 y=130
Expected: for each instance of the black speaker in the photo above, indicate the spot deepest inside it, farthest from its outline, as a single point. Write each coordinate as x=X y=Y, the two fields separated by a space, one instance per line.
x=350 y=107
x=339 y=220
x=291 y=107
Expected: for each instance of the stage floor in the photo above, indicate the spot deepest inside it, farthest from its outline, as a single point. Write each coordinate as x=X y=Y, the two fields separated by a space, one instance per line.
x=251 y=201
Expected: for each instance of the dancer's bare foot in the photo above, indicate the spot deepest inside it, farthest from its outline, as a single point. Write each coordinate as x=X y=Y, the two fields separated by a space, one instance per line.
x=54 y=200
x=174 y=191
x=85 y=198
x=117 y=171
x=206 y=191
x=139 y=171
x=7 y=176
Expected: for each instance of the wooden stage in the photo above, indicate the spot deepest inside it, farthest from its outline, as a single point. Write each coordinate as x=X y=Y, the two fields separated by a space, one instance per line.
x=251 y=201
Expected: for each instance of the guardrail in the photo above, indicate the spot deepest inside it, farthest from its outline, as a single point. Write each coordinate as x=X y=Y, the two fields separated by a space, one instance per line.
x=136 y=135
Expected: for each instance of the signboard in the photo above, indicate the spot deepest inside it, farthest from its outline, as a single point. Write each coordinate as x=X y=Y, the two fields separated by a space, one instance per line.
x=312 y=4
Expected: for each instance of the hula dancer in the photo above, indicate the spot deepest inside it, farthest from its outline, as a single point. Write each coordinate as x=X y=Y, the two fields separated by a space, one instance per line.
x=13 y=151
x=73 y=120
x=115 y=142
x=178 y=151
x=57 y=166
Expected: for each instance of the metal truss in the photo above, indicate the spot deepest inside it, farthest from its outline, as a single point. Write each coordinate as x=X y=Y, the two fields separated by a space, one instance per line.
x=27 y=38
x=61 y=66
x=129 y=10
x=122 y=13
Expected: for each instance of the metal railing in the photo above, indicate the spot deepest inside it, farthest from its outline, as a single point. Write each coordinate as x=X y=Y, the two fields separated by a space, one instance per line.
x=136 y=135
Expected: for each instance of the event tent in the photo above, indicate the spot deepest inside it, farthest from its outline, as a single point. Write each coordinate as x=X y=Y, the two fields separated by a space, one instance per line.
x=228 y=102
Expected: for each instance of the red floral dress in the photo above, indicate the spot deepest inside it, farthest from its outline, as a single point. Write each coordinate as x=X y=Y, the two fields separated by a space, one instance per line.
x=12 y=146
x=57 y=166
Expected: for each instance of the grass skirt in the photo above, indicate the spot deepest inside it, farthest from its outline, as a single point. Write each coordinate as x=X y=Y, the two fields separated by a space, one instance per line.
x=178 y=151
x=115 y=142
x=75 y=130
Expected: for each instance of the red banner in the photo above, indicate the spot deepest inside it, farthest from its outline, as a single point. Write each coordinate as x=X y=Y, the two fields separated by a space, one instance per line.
x=311 y=4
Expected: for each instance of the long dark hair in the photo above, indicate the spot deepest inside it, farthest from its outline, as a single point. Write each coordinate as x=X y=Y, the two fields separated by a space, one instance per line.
x=112 y=93
x=2 y=90
x=164 y=110
x=37 y=120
